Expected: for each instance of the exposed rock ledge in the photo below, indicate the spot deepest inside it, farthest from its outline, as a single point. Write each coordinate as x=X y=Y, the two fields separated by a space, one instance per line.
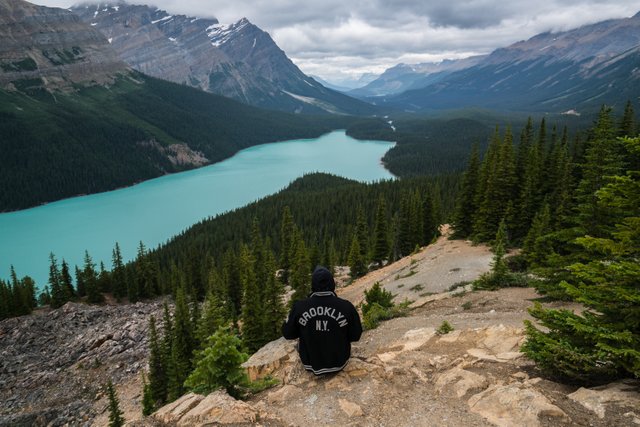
x=405 y=383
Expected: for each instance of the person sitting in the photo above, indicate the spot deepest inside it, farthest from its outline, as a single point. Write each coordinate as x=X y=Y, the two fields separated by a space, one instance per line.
x=325 y=325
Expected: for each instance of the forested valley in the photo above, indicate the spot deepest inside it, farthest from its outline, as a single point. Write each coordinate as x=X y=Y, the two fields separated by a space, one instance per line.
x=98 y=138
x=569 y=199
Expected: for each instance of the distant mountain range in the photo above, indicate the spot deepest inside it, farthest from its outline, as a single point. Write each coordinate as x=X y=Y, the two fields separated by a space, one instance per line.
x=239 y=61
x=572 y=70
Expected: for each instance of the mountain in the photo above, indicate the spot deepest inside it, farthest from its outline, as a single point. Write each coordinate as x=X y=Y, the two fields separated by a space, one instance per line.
x=52 y=45
x=239 y=61
x=403 y=77
x=577 y=69
x=76 y=120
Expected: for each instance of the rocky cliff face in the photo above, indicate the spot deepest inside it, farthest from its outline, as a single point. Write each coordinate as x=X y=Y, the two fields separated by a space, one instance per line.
x=239 y=60
x=54 y=363
x=51 y=46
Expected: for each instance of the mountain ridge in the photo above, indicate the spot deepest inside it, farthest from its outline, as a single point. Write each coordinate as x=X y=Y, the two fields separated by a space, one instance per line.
x=550 y=72
x=237 y=60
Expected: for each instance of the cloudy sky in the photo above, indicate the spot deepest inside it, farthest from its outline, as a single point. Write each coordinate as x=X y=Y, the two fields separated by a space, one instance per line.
x=342 y=39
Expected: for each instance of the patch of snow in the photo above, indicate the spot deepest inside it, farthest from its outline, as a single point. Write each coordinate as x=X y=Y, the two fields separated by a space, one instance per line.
x=393 y=128
x=254 y=43
x=162 y=19
x=194 y=20
x=116 y=8
x=313 y=101
x=95 y=13
x=93 y=24
x=173 y=39
x=571 y=113
x=109 y=39
x=220 y=34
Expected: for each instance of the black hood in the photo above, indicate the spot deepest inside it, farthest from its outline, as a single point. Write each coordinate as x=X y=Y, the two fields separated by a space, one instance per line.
x=322 y=280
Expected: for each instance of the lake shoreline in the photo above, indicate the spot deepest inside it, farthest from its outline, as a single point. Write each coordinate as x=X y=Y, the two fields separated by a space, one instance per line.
x=155 y=210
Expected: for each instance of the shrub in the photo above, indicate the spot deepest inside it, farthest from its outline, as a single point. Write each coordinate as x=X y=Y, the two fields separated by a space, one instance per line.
x=218 y=366
x=444 y=328
x=377 y=295
x=377 y=313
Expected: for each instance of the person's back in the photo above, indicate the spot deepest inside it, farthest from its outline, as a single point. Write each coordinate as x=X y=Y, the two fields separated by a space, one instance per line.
x=325 y=324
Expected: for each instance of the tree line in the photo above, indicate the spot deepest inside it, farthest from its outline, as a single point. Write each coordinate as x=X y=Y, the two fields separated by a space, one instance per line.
x=574 y=208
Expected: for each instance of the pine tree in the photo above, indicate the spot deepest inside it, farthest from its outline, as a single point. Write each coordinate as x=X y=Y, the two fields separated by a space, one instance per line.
x=500 y=186
x=91 y=280
x=182 y=346
x=601 y=343
x=628 y=123
x=146 y=275
x=213 y=317
x=287 y=232
x=405 y=240
x=430 y=222
x=357 y=266
x=466 y=207
x=66 y=282
x=218 y=366
x=80 y=283
x=274 y=310
x=381 y=233
x=362 y=232
x=603 y=160
x=300 y=280
x=535 y=248
x=118 y=275
x=115 y=414
x=148 y=402
x=57 y=292
x=252 y=307
x=157 y=368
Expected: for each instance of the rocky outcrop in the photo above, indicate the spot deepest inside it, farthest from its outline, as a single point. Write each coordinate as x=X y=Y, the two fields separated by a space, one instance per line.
x=514 y=405
x=54 y=363
x=597 y=399
x=52 y=48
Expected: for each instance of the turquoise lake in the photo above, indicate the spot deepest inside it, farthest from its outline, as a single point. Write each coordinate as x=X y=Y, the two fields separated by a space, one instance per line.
x=155 y=210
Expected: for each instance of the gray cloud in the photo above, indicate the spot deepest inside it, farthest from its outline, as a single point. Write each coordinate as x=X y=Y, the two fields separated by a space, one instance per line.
x=341 y=38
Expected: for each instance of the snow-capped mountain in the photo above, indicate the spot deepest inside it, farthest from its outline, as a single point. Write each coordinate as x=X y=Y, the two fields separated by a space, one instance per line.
x=403 y=77
x=239 y=60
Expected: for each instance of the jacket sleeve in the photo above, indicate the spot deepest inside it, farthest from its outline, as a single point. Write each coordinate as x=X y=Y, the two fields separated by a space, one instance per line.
x=355 y=326
x=290 y=327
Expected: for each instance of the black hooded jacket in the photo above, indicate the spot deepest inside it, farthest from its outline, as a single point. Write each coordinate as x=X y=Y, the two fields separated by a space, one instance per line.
x=325 y=324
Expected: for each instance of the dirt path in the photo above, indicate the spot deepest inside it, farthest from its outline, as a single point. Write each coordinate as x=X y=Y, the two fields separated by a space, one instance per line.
x=434 y=269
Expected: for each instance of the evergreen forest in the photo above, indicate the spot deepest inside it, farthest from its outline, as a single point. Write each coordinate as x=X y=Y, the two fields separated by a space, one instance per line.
x=572 y=205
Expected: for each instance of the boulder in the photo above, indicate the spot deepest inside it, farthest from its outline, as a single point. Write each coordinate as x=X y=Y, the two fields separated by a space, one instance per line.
x=218 y=408
x=513 y=405
x=174 y=411
x=460 y=381
x=269 y=358
x=498 y=343
x=411 y=340
x=283 y=394
x=596 y=399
